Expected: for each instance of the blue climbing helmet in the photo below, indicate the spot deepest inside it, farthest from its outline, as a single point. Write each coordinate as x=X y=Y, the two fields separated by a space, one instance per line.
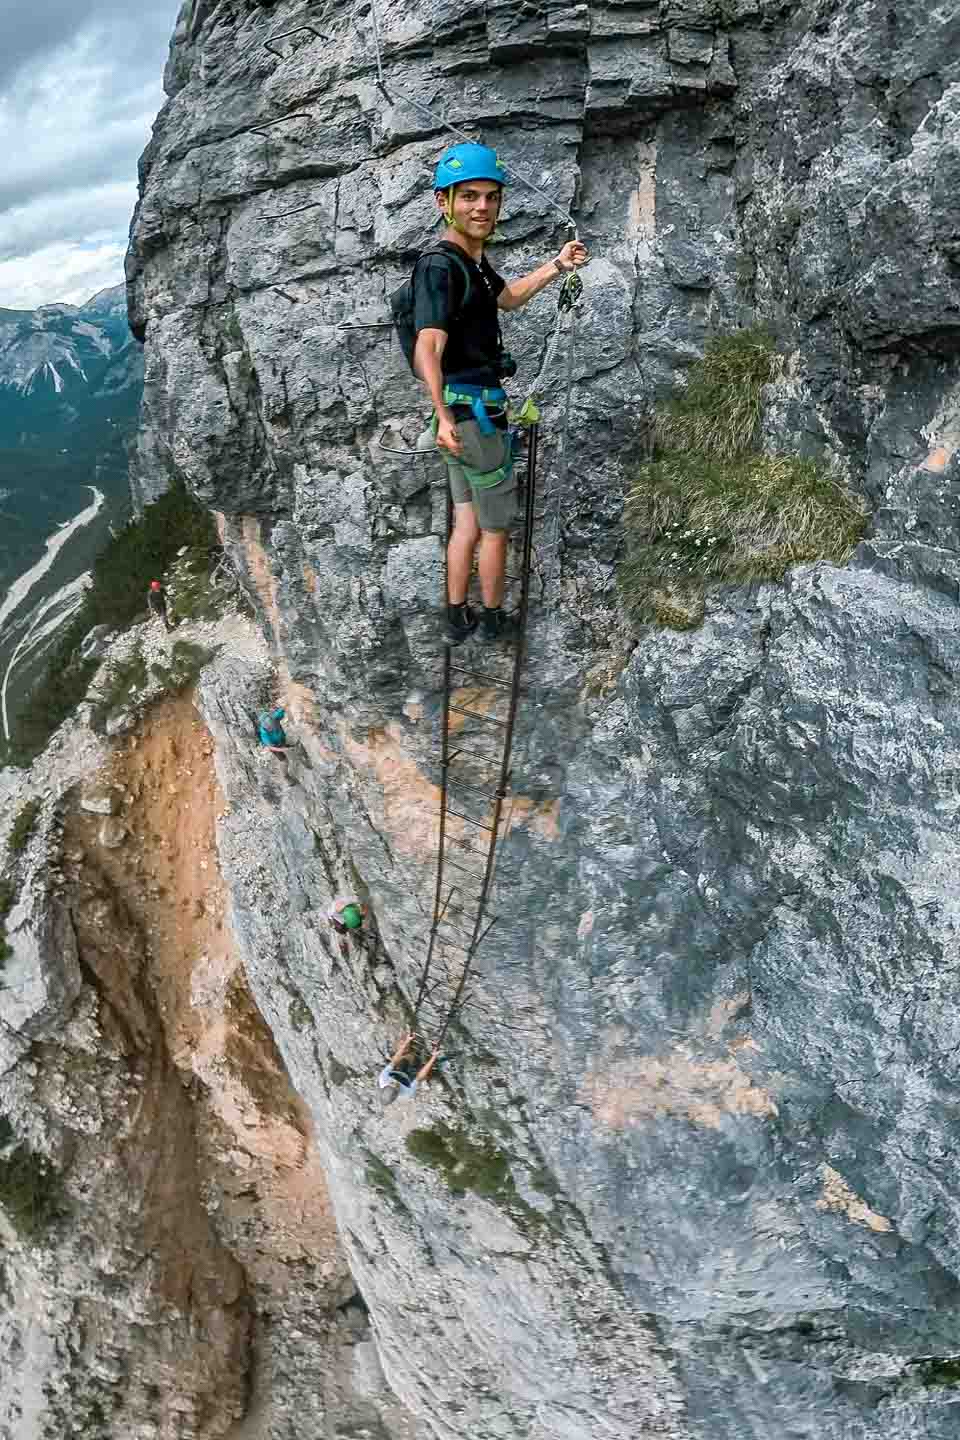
x=468 y=161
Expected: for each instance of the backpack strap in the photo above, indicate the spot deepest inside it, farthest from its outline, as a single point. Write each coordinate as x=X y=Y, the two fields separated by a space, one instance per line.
x=440 y=247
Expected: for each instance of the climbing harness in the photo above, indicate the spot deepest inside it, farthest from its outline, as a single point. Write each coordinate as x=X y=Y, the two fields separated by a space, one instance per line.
x=478 y=397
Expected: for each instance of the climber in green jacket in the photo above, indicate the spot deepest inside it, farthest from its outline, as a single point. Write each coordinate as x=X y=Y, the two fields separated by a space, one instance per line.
x=459 y=356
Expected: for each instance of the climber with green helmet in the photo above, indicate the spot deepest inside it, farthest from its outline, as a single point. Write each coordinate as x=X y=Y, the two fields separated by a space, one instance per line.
x=459 y=356
x=347 y=914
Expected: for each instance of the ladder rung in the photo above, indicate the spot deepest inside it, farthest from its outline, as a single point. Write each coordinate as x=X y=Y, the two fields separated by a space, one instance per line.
x=476 y=789
x=471 y=755
x=484 y=762
x=477 y=874
x=469 y=818
x=479 y=675
x=475 y=715
x=489 y=761
x=461 y=933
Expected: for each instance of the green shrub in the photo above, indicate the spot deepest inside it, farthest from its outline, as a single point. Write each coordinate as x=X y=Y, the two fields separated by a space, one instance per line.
x=750 y=518
x=9 y=890
x=8 y=897
x=942 y=1370
x=192 y=597
x=142 y=552
x=23 y=827
x=186 y=662
x=31 y=1192
x=465 y=1165
x=711 y=507
x=122 y=678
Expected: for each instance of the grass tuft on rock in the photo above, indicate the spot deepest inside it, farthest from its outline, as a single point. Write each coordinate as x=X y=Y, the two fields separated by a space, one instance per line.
x=466 y=1165
x=23 y=827
x=710 y=507
x=31 y=1192
x=718 y=413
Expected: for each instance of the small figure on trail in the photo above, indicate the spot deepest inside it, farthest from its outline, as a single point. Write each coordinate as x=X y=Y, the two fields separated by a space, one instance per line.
x=273 y=737
x=347 y=914
x=459 y=356
x=157 y=603
x=405 y=1069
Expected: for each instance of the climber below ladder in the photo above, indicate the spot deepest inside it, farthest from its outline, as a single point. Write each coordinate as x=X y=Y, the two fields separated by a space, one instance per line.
x=456 y=350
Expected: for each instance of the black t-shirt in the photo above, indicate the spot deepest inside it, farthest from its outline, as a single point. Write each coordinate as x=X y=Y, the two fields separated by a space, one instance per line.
x=472 y=352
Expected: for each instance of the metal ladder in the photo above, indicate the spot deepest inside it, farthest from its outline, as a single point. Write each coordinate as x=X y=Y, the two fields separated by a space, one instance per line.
x=475 y=773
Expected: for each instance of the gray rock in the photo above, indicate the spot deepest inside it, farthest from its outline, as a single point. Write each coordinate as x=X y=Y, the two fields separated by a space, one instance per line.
x=721 y=1113
x=96 y=642
x=100 y=799
x=690 y=47
x=112 y=834
x=120 y=722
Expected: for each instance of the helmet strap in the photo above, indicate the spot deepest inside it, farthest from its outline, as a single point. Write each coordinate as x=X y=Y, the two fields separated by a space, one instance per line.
x=448 y=214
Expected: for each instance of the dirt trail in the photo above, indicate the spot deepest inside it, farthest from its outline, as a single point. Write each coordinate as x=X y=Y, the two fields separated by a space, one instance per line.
x=261 y=1178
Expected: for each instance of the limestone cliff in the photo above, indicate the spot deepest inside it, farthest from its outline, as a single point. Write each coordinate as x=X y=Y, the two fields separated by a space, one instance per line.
x=692 y=1173
x=172 y=1268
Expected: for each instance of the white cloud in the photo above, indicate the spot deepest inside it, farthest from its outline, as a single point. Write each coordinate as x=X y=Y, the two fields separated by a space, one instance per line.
x=73 y=121
x=66 y=272
x=83 y=216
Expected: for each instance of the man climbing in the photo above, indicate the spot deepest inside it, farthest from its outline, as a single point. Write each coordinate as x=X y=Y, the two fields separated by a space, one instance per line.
x=273 y=737
x=404 y=1071
x=347 y=914
x=157 y=603
x=459 y=357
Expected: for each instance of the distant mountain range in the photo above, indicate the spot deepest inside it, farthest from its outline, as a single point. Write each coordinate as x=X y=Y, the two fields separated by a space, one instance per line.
x=64 y=365
x=71 y=379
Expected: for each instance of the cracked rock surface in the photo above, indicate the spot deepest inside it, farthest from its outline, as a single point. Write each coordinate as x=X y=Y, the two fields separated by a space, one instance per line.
x=693 y=1171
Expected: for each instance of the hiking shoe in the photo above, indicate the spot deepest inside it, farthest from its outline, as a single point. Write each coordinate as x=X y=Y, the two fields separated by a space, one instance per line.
x=499 y=625
x=461 y=623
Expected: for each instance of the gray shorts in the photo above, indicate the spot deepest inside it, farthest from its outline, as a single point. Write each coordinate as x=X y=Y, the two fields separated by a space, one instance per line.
x=495 y=506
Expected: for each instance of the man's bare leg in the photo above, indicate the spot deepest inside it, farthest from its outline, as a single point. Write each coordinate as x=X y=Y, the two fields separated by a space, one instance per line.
x=465 y=534
x=492 y=564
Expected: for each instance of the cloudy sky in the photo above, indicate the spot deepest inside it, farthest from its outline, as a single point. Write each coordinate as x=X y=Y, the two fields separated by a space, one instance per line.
x=80 y=85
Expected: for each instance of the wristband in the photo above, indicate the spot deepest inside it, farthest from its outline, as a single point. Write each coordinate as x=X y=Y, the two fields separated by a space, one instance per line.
x=562 y=269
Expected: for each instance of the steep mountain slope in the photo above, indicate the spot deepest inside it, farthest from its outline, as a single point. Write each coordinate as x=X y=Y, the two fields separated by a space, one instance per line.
x=694 y=1171
x=70 y=384
x=71 y=379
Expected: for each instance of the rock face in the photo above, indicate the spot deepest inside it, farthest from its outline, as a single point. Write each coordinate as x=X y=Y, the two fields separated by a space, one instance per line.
x=171 y=1263
x=692 y=1172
